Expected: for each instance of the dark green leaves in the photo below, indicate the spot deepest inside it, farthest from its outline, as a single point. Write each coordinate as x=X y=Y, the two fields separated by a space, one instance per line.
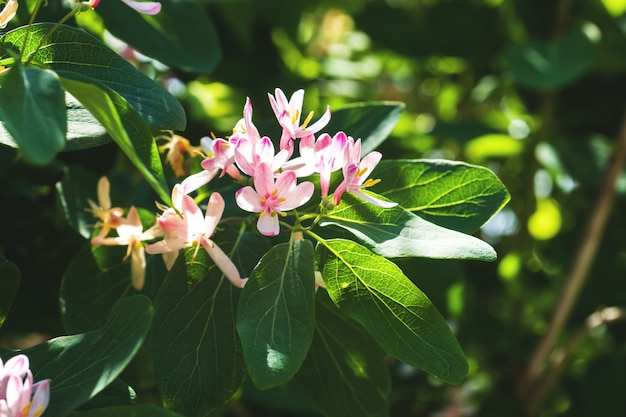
x=9 y=283
x=195 y=344
x=451 y=194
x=80 y=366
x=373 y=291
x=371 y=122
x=276 y=313
x=544 y=66
x=33 y=112
x=75 y=51
x=396 y=232
x=181 y=35
x=345 y=373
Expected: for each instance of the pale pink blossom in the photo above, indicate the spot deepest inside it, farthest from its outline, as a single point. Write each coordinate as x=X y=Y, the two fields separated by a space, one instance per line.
x=324 y=156
x=110 y=217
x=220 y=155
x=288 y=114
x=356 y=173
x=8 y=12
x=192 y=229
x=19 y=397
x=249 y=155
x=131 y=234
x=273 y=197
x=245 y=128
x=145 y=7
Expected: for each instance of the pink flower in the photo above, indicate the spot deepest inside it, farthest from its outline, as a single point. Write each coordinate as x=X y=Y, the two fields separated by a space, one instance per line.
x=249 y=156
x=245 y=129
x=271 y=197
x=288 y=114
x=195 y=230
x=220 y=154
x=131 y=233
x=356 y=173
x=19 y=397
x=324 y=156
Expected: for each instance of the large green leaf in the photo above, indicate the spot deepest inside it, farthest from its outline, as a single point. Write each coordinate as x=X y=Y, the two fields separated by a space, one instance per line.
x=544 y=66
x=73 y=50
x=372 y=122
x=276 y=313
x=125 y=126
x=82 y=365
x=72 y=193
x=199 y=363
x=395 y=232
x=345 y=373
x=451 y=194
x=373 y=291
x=9 y=283
x=32 y=109
x=181 y=35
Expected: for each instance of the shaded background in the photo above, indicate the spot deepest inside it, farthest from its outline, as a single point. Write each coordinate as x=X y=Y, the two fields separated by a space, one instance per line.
x=532 y=89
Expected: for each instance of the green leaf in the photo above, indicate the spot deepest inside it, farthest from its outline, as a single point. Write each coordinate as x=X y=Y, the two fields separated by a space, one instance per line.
x=125 y=126
x=373 y=291
x=88 y=293
x=139 y=410
x=276 y=313
x=181 y=35
x=345 y=373
x=72 y=193
x=9 y=283
x=396 y=233
x=545 y=66
x=372 y=122
x=199 y=363
x=33 y=112
x=82 y=365
x=73 y=50
x=451 y=194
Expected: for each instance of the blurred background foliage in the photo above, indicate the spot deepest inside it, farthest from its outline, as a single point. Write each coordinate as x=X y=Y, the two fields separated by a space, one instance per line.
x=532 y=89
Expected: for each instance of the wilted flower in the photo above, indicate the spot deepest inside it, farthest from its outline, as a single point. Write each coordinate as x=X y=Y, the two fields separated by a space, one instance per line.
x=176 y=148
x=110 y=217
x=19 y=397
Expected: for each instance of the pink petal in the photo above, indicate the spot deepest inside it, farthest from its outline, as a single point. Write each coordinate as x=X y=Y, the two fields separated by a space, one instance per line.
x=373 y=200
x=195 y=181
x=368 y=164
x=285 y=182
x=41 y=397
x=297 y=197
x=319 y=124
x=224 y=263
x=268 y=225
x=214 y=211
x=248 y=199
x=167 y=245
x=138 y=266
x=147 y=7
x=264 y=179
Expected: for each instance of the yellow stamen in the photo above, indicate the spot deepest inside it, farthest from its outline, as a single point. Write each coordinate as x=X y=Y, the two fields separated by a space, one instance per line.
x=360 y=172
x=295 y=117
x=370 y=182
x=306 y=121
x=281 y=200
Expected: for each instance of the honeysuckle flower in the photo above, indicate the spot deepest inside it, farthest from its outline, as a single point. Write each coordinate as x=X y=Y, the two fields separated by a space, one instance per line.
x=8 y=12
x=220 y=154
x=131 y=233
x=288 y=114
x=272 y=198
x=245 y=129
x=324 y=156
x=356 y=173
x=248 y=156
x=192 y=229
x=19 y=397
x=110 y=217
x=176 y=148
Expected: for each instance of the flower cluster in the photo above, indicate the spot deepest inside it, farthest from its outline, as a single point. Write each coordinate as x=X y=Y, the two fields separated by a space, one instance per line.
x=270 y=185
x=19 y=397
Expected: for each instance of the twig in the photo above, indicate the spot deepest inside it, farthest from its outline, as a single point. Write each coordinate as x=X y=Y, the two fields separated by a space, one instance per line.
x=580 y=268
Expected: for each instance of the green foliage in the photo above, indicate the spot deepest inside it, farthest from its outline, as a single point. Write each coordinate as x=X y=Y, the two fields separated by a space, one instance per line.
x=276 y=313
x=9 y=282
x=373 y=291
x=36 y=117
